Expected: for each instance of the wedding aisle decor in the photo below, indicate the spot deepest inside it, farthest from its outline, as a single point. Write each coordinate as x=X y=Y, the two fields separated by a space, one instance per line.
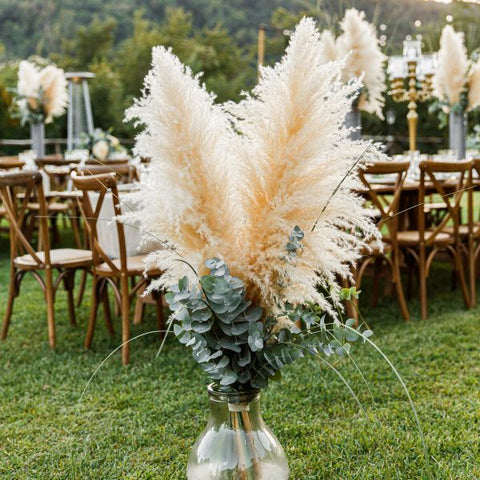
x=41 y=96
x=456 y=85
x=359 y=45
x=254 y=205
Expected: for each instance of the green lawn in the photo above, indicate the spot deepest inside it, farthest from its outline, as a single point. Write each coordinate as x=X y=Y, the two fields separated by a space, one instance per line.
x=140 y=421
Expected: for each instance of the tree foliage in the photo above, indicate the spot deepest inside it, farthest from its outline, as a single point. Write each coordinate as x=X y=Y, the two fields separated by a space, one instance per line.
x=114 y=40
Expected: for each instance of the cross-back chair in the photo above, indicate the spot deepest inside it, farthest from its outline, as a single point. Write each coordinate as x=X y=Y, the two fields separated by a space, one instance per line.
x=423 y=245
x=24 y=258
x=124 y=173
x=10 y=163
x=473 y=232
x=387 y=207
x=119 y=274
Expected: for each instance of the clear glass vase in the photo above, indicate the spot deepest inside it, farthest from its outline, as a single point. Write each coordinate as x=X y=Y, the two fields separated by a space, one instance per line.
x=236 y=444
x=37 y=135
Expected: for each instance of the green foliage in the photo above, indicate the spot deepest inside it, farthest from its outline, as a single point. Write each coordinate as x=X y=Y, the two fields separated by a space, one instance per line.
x=114 y=39
x=91 y=43
x=233 y=341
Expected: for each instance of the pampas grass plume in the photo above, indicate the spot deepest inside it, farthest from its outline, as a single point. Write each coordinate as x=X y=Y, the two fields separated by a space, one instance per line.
x=364 y=59
x=474 y=86
x=452 y=66
x=238 y=196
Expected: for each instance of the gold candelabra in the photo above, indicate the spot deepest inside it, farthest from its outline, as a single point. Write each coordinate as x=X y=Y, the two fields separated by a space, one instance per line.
x=418 y=71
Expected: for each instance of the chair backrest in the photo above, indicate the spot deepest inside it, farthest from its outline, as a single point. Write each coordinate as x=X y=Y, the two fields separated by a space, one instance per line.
x=386 y=204
x=16 y=207
x=107 y=161
x=102 y=185
x=9 y=163
x=475 y=185
x=124 y=173
x=451 y=189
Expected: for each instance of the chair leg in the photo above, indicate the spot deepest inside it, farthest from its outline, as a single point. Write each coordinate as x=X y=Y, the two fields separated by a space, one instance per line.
x=461 y=275
x=376 y=281
x=81 y=290
x=471 y=273
x=423 y=283
x=12 y=293
x=401 y=298
x=397 y=281
x=139 y=310
x=96 y=285
x=69 y=282
x=106 y=309
x=408 y=261
x=125 y=320
x=50 y=298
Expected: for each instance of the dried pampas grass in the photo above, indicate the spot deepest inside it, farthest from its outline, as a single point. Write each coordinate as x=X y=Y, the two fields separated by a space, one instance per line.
x=28 y=84
x=452 y=67
x=216 y=192
x=191 y=200
x=54 y=85
x=44 y=89
x=364 y=59
x=329 y=51
x=474 y=87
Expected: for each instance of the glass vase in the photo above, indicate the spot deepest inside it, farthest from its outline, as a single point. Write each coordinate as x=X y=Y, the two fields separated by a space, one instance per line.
x=37 y=135
x=236 y=444
x=457 y=133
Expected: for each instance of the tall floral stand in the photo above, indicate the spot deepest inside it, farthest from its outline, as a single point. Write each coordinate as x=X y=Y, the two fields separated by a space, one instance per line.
x=457 y=133
x=353 y=120
x=37 y=135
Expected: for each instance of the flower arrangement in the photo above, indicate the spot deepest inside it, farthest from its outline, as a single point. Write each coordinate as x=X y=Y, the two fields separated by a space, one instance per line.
x=101 y=144
x=255 y=207
x=41 y=94
x=456 y=82
x=359 y=45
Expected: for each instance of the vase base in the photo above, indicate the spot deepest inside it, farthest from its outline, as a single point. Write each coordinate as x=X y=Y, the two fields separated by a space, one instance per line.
x=210 y=471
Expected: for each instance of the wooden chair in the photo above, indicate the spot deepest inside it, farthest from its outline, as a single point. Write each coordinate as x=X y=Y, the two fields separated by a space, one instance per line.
x=473 y=232
x=57 y=206
x=423 y=245
x=107 y=161
x=124 y=173
x=387 y=207
x=10 y=163
x=25 y=259
x=121 y=273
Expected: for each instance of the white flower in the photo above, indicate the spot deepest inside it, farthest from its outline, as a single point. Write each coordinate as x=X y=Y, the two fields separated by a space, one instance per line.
x=100 y=150
x=113 y=141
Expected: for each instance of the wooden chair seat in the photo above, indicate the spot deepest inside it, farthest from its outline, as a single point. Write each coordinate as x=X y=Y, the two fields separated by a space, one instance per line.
x=462 y=230
x=55 y=207
x=412 y=238
x=428 y=207
x=59 y=258
x=135 y=266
